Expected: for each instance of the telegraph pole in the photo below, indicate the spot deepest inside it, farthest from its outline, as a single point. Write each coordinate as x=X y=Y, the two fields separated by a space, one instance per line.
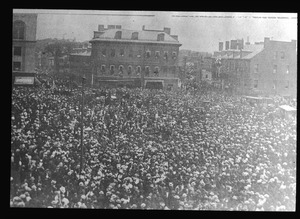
x=143 y=69
x=81 y=127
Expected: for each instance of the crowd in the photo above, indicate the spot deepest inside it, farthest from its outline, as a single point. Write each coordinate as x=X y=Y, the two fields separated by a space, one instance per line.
x=150 y=149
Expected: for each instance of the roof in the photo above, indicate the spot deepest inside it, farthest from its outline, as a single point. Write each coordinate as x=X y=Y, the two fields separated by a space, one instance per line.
x=287 y=108
x=149 y=36
x=85 y=53
x=253 y=48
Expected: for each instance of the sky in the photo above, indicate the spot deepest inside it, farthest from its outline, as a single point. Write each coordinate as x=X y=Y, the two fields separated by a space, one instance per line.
x=198 y=31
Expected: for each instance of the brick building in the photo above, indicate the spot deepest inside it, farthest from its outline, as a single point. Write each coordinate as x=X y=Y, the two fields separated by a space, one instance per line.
x=267 y=67
x=135 y=57
x=24 y=40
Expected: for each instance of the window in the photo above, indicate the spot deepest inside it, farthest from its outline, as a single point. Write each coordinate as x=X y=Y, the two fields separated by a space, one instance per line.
x=130 y=53
x=19 y=30
x=118 y=35
x=282 y=55
x=112 y=69
x=255 y=84
x=121 y=68
x=148 y=54
x=17 y=66
x=138 y=70
x=113 y=53
x=157 y=54
x=206 y=76
x=104 y=52
x=102 y=68
x=129 y=69
x=165 y=55
x=174 y=55
x=135 y=36
x=121 y=52
x=147 y=70
x=156 y=70
x=17 y=51
x=275 y=55
x=287 y=69
x=139 y=54
x=275 y=69
x=256 y=68
x=160 y=37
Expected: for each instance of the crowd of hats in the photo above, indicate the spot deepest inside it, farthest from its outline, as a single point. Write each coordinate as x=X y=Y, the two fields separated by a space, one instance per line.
x=152 y=150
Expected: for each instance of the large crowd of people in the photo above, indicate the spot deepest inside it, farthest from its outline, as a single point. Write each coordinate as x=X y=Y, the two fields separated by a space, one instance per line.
x=150 y=149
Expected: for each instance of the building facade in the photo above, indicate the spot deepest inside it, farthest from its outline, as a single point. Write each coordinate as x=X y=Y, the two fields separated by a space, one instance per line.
x=24 y=40
x=136 y=58
x=267 y=67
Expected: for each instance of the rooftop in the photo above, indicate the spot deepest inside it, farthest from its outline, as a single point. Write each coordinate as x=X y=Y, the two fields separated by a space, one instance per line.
x=252 y=49
x=85 y=53
x=144 y=36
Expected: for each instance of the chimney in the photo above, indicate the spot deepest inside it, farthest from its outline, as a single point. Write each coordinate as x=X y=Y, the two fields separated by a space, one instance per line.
x=266 y=41
x=227 y=45
x=118 y=27
x=167 y=30
x=233 y=44
x=101 y=27
x=111 y=26
x=220 y=46
x=175 y=37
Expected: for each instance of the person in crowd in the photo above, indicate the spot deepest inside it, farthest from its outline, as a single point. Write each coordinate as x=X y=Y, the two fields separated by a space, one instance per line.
x=199 y=149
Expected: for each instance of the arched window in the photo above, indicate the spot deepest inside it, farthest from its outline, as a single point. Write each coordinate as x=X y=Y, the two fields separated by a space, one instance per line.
x=112 y=69
x=121 y=68
x=156 y=71
x=147 y=70
x=102 y=68
x=138 y=70
x=19 y=30
x=129 y=69
x=148 y=53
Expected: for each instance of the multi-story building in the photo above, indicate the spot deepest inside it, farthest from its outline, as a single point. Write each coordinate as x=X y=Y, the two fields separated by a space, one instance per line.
x=135 y=57
x=267 y=67
x=23 y=46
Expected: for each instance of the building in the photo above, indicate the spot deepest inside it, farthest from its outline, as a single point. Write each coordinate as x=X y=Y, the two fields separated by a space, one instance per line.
x=23 y=46
x=147 y=58
x=80 y=64
x=267 y=67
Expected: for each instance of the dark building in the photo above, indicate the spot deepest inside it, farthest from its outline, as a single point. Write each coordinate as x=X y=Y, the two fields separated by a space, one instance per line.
x=268 y=67
x=23 y=44
x=135 y=57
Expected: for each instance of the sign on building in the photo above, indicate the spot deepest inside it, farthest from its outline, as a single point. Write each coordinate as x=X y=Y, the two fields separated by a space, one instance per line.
x=19 y=80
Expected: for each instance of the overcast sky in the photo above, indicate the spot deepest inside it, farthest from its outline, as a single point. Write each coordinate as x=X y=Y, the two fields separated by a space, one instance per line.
x=199 y=31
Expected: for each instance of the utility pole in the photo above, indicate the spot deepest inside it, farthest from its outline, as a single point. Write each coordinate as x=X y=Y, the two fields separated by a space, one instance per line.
x=81 y=127
x=143 y=69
